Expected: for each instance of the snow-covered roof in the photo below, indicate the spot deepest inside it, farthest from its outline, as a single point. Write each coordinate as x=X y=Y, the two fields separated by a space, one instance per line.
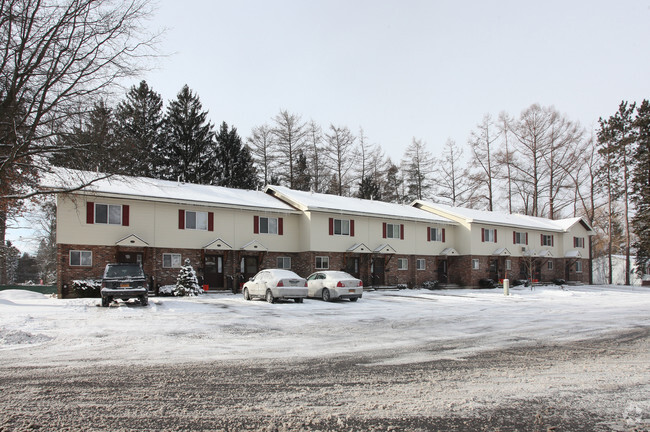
x=502 y=218
x=311 y=201
x=163 y=190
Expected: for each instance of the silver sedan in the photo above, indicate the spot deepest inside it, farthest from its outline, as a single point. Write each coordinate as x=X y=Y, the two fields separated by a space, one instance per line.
x=276 y=284
x=330 y=285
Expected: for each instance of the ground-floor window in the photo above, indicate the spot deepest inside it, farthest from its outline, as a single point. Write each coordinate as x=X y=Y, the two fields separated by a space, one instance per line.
x=578 y=266
x=402 y=264
x=171 y=260
x=284 y=262
x=508 y=265
x=81 y=258
x=420 y=264
x=322 y=262
x=550 y=265
x=474 y=264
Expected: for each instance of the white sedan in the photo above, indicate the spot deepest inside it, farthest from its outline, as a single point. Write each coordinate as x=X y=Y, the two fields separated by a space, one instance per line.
x=330 y=285
x=276 y=284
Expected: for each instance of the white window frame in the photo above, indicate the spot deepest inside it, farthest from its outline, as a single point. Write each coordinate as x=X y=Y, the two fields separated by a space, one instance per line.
x=508 y=265
x=393 y=231
x=579 y=242
x=436 y=234
x=578 y=266
x=489 y=235
x=284 y=263
x=322 y=263
x=420 y=264
x=343 y=228
x=549 y=265
x=200 y=222
x=271 y=225
x=112 y=216
x=520 y=238
x=475 y=264
x=80 y=261
x=174 y=259
x=547 y=240
x=402 y=264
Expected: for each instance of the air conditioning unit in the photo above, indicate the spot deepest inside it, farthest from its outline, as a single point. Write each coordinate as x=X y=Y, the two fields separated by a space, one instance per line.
x=523 y=248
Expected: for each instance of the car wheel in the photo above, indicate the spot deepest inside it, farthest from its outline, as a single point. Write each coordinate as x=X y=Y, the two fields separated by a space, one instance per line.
x=106 y=301
x=326 y=295
x=269 y=296
x=353 y=299
x=299 y=300
x=247 y=296
x=144 y=300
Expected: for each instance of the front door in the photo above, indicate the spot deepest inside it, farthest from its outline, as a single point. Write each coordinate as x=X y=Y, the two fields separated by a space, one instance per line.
x=213 y=271
x=494 y=269
x=249 y=267
x=378 y=271
x=352 y=266
x=129 y=257
x=442 y=271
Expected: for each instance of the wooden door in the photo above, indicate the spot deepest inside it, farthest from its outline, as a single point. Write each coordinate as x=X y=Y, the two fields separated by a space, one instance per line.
x=213 y=271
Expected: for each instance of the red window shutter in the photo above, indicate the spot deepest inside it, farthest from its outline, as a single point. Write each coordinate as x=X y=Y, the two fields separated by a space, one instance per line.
x=181 y=219
x=443 y=235
x=384 y=230
x=331 y=226
x=526 y=238
x=552 y=241
x=280 y=226
x=210 y=221
x=256 y=224
x=514 y=237
x=483 y=234
x=351 y=227
x=125 y=215
x=90 y=212
x=428 y=233
x=495 y=235
x=401 y=231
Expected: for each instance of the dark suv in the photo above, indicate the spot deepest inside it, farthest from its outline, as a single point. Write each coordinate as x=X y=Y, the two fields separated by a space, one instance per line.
x=124 y=281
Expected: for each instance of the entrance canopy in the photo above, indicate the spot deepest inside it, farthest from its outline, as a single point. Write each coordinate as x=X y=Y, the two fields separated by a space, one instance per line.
x=573 y=254
x=502 y=252
x=218 y=244
x=385 y=249
x=359 y=248
x=132 y=240
x=254 y=246
x=449 y=251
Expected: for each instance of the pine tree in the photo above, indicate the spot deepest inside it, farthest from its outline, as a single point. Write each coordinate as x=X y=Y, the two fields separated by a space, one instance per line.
x=302 y=179
x=187 y=284
x=233 y=161
x=188 y=150
x=393 y=188
x=369 y=188
x=641 y=187
x=139 y=121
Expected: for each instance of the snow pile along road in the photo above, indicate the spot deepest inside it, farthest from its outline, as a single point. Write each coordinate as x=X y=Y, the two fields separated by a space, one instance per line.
x=399 y=326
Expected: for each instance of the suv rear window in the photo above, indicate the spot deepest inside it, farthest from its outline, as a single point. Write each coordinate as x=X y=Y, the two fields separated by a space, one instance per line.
x=122 y=271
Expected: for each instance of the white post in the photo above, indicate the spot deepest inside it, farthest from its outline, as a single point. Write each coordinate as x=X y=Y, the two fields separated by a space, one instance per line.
x=506 y=287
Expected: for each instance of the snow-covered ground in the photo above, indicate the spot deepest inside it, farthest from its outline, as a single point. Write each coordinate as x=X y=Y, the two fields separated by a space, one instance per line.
x=400 y=326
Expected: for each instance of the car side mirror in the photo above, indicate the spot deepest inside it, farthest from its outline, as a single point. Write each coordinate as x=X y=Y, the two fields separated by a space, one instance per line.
x=250 y=279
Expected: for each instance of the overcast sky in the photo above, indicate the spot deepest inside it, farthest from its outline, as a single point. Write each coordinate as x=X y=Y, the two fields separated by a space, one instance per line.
x=403 y=69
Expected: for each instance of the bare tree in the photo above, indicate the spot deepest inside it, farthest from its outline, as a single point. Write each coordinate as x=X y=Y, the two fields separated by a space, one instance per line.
x=289 y=134
x=505 y=156
x=315 y=150
x=484 y=161
x=263 y=150
x=342 y=156
x=452 y=186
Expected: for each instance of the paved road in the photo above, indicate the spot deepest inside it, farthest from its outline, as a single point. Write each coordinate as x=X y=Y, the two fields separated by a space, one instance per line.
x=599 y=385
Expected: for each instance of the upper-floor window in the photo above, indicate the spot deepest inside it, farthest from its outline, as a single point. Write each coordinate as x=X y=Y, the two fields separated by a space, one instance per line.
x=196 y=220
x=394 y=231
x=81 y=258
x=519 y=237
x=108 y=214
x=402 y=264
x=578 y=242
x=436 y=234
x=268 y=225
x=284 y=262
x=342 y=227
x=547 y=240
x=489 y=235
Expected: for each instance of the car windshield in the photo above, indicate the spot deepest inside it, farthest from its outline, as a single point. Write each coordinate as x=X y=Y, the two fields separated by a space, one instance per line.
x=124 y=271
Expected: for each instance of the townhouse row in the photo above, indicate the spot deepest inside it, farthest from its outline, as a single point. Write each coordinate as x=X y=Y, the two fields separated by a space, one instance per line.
x=229 y=234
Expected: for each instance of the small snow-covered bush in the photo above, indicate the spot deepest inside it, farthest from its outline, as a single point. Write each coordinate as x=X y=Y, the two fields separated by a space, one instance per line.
x=87 y=288
x=166 y=290
x=402 y=286
x=187 y=284
x=430 y=285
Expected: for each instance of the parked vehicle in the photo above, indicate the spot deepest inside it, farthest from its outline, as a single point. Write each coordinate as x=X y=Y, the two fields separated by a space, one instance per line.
x=124 y=281
x=330 y=285
x=276 y=284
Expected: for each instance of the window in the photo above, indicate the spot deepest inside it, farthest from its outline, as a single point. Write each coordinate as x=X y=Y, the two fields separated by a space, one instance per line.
x=322 y=262
x=284 y=262
x=81 y=258
x=578 y=242
x=171 y=260
x=549 y=265
x=196 y=220
x=268 y=225
x=519 y=238
x=474 y=264
x=437 y=234
x=547 y=240
x=393 y=231
x=341 y=227
x=420 y=264
x=402 y=264
x=578 y=266
x=508 y=265
x=489 y=235
x=110 y=214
